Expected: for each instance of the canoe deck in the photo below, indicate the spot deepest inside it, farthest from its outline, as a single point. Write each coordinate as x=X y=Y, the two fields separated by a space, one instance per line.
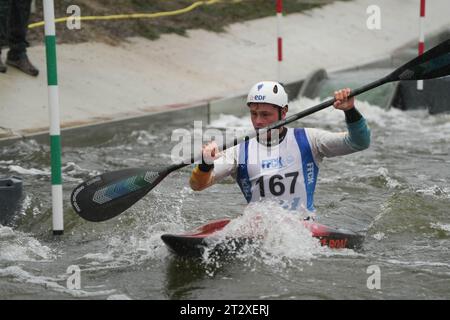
x=194 y=243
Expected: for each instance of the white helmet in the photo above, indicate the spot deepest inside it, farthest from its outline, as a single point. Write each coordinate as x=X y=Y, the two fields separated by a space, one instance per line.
x=268 y=92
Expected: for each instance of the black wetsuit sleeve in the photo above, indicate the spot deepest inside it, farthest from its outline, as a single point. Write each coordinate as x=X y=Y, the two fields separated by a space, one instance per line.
x=352 y=115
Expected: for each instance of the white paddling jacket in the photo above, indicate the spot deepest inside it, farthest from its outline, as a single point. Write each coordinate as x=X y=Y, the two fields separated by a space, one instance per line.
x=286 y=172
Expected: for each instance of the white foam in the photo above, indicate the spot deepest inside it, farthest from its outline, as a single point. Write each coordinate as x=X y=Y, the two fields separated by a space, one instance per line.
x=32 y=171
x=391 y=183
x=6 y=233
x=69 y=170
x=440 y=226
x=118 y=297
x=71 y=167
x=419 y=263
x=5 y=162
x=435 y=191
x=26 y=204
x=282 y=241
x=17 y=246
x=229 y=121
x=379 y=236
x=143 y=137
x=72 y=172
x=22 y=276
x=98 y=257
x=129 y=250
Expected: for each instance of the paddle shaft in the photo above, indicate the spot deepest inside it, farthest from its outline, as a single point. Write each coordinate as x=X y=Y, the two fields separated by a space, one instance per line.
x=278 y=124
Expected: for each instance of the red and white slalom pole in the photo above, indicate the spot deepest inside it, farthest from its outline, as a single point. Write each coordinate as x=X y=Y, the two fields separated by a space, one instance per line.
x=421 y=37
x=279 y=38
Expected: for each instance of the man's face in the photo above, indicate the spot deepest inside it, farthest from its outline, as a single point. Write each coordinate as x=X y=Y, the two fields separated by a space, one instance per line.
x=264 y=114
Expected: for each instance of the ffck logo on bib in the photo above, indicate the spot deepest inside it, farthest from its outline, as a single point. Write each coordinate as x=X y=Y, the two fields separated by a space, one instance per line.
x=271 y=163
x=310 y=172
x=276 y=163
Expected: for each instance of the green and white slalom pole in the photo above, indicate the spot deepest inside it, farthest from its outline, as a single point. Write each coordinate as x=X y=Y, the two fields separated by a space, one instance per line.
x=53 y=102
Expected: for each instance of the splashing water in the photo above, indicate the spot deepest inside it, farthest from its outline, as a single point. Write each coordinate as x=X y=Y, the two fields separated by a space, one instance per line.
x=279 y=239
x=18 y=246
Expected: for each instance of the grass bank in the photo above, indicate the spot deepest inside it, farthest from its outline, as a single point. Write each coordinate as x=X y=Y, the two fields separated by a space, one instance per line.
x=213 y=17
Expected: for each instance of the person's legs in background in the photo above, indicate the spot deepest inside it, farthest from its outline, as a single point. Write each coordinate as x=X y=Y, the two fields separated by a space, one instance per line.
x=5 y=8
x=18 y=28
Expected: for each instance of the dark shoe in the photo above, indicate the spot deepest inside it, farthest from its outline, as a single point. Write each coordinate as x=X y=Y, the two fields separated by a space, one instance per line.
x=23 y=64
x=2 y=67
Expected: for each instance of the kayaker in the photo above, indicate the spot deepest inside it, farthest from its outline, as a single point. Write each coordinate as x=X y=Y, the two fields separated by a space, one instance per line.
x=282 y=165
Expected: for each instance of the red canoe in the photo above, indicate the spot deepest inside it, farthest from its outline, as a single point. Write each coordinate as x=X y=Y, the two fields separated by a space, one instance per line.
x=194 y=243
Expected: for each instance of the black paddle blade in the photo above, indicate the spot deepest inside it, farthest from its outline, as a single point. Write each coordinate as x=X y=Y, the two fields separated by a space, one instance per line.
x=107 y=195
x=433 y=63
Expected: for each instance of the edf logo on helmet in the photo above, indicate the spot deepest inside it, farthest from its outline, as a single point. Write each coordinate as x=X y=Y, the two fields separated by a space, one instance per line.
x=268 y=92
x=259 y=97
